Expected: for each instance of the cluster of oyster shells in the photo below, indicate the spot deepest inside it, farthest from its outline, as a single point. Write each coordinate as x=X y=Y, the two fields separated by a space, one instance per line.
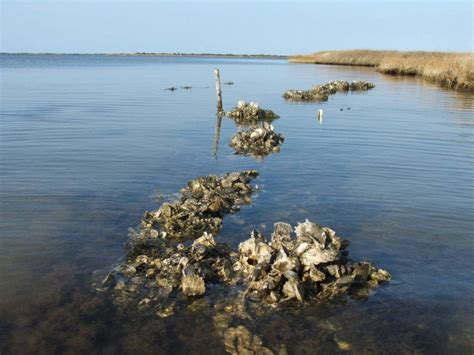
x=360 y=85
x=202 y=205
x=156 y=282
x=321 y=92
x=250 y=113
x=258 y=141
x=310 y=263
x=158 y=262
x=168 y=268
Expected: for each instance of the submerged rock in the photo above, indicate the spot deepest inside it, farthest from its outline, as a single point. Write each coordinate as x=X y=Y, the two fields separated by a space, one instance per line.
x=320 y=93
x=258 y=141
x=250 y=113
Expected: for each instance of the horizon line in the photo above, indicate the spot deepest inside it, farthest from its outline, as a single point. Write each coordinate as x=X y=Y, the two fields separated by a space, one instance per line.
x=150 y=53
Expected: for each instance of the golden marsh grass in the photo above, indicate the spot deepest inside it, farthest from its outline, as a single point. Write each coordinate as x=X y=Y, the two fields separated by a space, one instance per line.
x=449 y=69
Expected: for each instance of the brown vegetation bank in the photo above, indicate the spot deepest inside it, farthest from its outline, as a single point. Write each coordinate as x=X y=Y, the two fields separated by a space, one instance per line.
x=448 y=69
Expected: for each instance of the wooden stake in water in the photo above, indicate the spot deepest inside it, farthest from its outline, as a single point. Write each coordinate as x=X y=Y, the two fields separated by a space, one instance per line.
x=217 y=134
x=320 y=116
x=218 y=91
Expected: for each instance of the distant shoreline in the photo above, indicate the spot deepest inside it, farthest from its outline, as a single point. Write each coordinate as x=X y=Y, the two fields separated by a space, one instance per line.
x=153 y=54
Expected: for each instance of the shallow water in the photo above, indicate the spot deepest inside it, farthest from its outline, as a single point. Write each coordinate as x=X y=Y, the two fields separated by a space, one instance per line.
x=86 y=141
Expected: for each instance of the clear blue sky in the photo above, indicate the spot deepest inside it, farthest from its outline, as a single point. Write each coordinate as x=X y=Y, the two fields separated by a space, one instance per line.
x=233 y=27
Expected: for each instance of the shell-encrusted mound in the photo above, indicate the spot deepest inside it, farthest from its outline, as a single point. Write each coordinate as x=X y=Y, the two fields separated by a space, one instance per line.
x=201 y=208
x=304 y=264
x=360 y=85
x=258 y=141
x=250 y=113
x=321 y=92
x=311 y=263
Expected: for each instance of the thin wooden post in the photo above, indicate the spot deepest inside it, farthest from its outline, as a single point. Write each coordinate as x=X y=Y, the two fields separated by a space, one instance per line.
x=218 y=91
x=320 y=115
x=217 y=134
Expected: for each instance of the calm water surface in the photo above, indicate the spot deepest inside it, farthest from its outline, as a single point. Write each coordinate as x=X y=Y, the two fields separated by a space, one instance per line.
x=86 y=141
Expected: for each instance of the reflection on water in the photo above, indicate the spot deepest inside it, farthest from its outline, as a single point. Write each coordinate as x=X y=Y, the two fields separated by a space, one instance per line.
x=85 y=140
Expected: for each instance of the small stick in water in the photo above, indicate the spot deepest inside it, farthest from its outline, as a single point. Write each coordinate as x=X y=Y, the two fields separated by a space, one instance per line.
x=320 y=116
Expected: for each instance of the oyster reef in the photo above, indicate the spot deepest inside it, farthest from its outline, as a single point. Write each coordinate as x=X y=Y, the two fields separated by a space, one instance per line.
x=174 y=256
x=321 y=92
x=258 y=141
x=202 y=205
x=250 y=113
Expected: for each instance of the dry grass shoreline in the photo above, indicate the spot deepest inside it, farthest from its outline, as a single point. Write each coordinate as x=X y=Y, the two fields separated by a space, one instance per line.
x=451 y=70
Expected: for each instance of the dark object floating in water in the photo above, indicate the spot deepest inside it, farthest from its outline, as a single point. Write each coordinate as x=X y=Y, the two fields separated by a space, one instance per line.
x=321 y=92
x=229 y=83
x=258 y=141
x=172 y=88
x=186 y=87
x=341 y=109
x=250 y=113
